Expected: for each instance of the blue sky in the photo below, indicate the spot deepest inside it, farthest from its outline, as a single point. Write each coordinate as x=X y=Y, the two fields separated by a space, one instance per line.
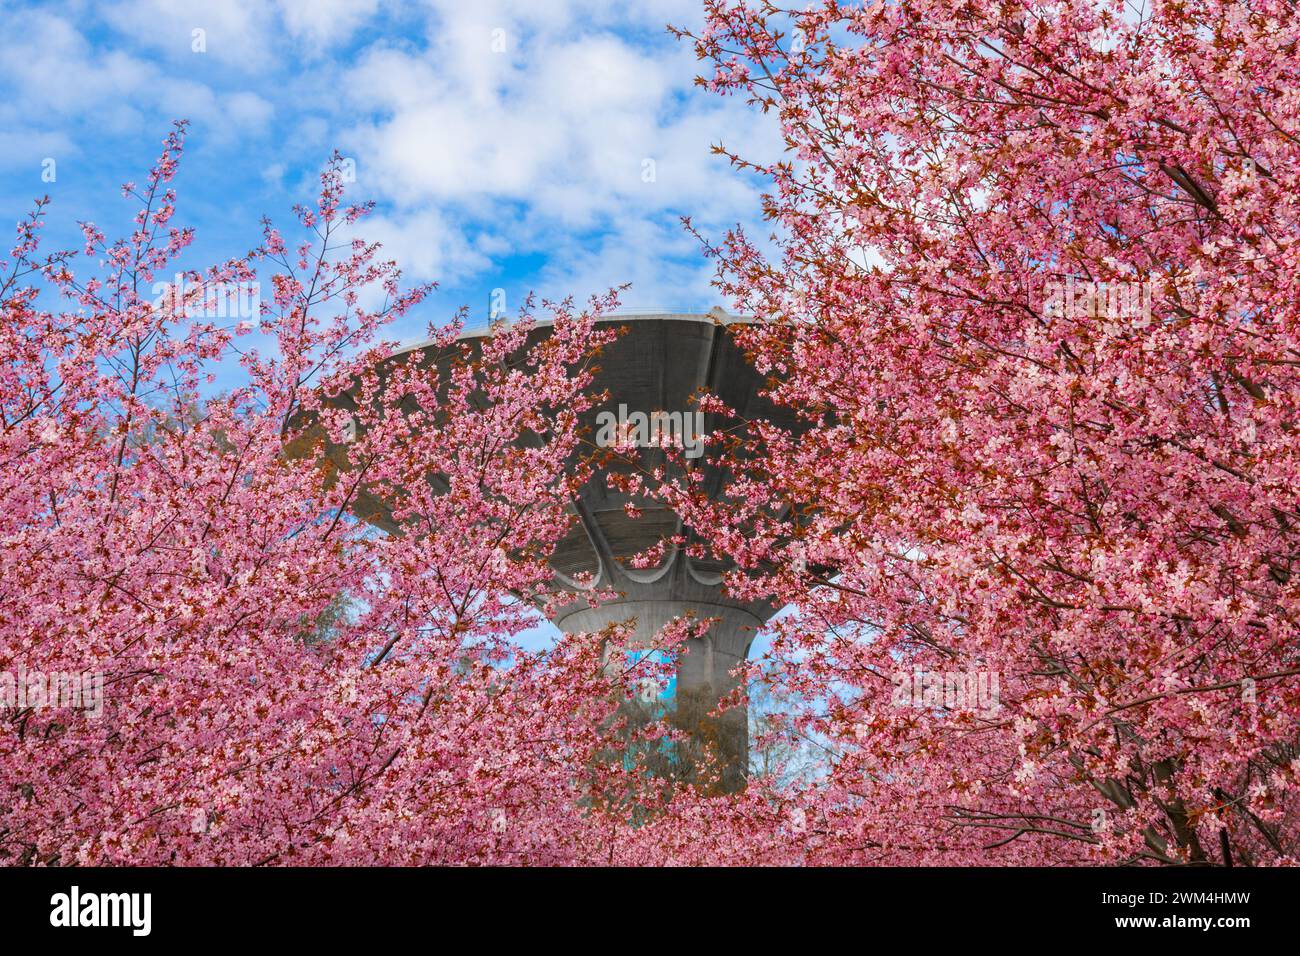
x=506 y=144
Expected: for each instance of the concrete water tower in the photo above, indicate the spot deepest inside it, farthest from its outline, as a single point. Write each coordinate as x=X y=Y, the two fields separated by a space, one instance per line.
x=656 y=368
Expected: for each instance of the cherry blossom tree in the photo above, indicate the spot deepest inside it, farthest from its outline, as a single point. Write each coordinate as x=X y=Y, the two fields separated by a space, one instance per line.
x=1034 y=286
x=279 y=683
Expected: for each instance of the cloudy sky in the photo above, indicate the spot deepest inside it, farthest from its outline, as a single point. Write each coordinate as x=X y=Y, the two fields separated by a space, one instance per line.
x=548 y=146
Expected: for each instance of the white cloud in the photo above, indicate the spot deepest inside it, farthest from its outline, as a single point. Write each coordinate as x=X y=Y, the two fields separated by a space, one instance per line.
x=238 y=33
x=590 y=135
x=53 y=68
x=428 y=245
x=26 y=149
x=322 y=23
